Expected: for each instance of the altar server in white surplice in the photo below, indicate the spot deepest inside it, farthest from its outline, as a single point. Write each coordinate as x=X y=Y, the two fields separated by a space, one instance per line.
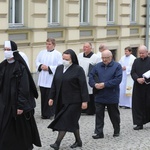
x=87 y=59
x=126 y=85
x=46 y=64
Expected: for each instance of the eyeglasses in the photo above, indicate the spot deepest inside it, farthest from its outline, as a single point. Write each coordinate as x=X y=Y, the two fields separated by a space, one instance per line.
x=105 y=57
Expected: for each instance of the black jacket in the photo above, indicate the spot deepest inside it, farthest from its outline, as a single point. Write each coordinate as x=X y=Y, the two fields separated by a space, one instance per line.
x=71 y=85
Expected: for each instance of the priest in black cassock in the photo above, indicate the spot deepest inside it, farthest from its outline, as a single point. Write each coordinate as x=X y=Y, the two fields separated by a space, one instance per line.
x=141 y=89
x=18 y=130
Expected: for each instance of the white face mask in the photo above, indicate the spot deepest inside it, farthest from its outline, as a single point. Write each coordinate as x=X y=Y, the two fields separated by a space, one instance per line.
x=8 y=54
x=66 y=63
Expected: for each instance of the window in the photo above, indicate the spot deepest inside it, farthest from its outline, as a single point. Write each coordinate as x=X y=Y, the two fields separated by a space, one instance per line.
x=110 y=11
x=84 y=12
x=133 y=11
x=16 y=12
x=53 y=12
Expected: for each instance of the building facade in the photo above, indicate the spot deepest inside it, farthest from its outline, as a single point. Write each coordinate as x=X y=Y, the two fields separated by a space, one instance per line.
x=117 y=23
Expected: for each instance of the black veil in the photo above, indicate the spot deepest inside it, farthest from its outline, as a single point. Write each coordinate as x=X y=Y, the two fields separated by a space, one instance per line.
x=73 y=56
x=19 y=58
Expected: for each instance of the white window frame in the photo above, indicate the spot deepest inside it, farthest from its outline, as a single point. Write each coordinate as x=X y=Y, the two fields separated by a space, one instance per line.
x=13 y=23
x=133 y=11
x=110 y=14
x=82 y=13
x=50 y=13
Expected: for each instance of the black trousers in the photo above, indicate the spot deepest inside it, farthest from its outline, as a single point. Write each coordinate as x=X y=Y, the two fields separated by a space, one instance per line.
x=114 y=116
x=46 y=110
x=91 y=105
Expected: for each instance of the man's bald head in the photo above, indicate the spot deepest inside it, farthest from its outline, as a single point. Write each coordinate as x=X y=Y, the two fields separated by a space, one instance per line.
x=143 y=51
x=107 y=56
x=106 y=53
x=102 y=47
x=143 y=48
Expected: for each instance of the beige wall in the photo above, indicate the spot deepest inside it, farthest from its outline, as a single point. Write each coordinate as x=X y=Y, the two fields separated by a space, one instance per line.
x=36 y=29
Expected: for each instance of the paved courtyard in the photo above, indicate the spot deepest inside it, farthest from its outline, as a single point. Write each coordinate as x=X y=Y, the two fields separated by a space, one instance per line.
x=128 y=139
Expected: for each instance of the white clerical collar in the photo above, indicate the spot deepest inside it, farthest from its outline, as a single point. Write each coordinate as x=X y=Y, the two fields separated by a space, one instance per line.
x=65 y=68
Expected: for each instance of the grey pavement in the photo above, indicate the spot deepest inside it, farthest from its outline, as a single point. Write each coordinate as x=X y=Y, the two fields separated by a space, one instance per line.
x=129 y=139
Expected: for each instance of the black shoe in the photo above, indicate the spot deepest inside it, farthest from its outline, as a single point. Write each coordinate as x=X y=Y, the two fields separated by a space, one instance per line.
x=55 y=146
x=52 y=117
x=116 y=134
x=76 y=144
x=138 y=127
x=98 y=136
x=126 y=107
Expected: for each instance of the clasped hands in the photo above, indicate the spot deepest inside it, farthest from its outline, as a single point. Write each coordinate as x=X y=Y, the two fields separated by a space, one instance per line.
x=140 y=80
x=44 y=67
x=99 y=85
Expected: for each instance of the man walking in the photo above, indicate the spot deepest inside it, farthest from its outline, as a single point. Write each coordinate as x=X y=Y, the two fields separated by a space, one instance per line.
x=106 y=77
x=46 y=63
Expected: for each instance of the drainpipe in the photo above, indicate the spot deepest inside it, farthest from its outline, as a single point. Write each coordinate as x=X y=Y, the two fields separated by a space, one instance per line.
x=147 y=25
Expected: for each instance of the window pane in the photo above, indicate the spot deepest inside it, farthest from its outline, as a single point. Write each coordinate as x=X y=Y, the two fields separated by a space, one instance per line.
x=84 y=11
x=81 y=10
x=15 y=11
x=149 y=14
x=18 y=11
x=133 y=11
x=49 y=10
x=10 y=11
x=53 y=11
x=111 y=10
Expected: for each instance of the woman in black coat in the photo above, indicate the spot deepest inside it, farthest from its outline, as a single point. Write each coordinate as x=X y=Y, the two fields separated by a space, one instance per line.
x=69 y=91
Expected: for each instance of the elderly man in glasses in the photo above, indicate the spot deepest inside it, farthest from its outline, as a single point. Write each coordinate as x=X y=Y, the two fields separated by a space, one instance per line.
x=105 y=77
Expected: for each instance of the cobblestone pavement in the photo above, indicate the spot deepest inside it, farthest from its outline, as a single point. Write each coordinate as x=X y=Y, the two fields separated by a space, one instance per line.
x=129 y=139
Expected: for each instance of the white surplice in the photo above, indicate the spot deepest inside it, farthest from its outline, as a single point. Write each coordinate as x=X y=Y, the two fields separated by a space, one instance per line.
x=126 y=85
x=51 y=59
x=24 y=56
x=84 y=62
x=99 y=54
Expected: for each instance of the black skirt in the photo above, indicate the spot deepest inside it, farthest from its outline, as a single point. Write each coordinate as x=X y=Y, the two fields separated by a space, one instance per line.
x=20 y=133
x=67 y=118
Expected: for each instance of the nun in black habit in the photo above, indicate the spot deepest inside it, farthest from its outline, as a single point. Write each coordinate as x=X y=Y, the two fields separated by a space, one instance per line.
x=18 y=130
x=69 y=91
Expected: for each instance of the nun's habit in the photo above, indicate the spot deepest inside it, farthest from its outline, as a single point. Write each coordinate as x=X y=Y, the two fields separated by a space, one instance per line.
x=17 y=91
x=68 y=90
